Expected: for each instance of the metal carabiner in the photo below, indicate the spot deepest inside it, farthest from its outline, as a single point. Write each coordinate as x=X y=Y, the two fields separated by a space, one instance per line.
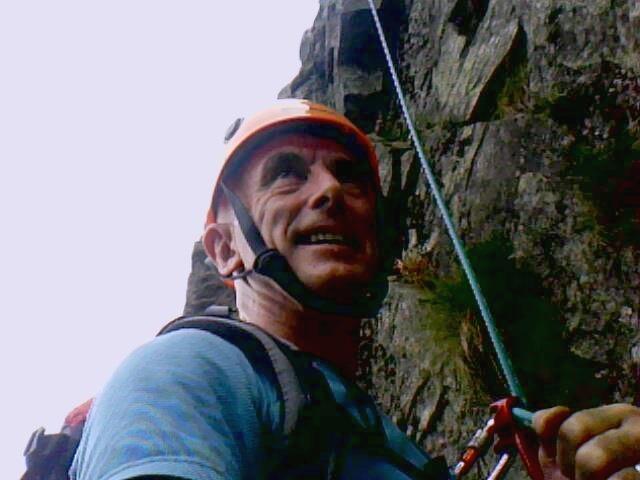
x=512 y=427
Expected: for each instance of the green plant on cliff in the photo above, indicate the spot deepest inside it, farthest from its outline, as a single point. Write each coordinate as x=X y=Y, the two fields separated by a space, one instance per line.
x=529 y=322
x=417 y=269
x=609 y=175
x=514 y=96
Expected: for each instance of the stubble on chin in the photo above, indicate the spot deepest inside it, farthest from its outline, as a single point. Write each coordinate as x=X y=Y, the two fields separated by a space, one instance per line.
x=340 y=285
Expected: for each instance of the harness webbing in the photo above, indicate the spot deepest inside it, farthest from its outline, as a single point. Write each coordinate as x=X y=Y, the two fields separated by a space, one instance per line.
x=503 y=358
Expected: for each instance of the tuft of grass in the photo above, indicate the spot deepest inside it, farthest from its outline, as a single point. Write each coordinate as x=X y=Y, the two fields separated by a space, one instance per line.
x=416 y=269
x=514 y=96
x=529 y=323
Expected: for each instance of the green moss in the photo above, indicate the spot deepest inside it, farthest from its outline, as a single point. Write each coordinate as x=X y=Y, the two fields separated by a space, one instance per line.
x=393 y=129
x=602 y=115
x=529 y=322
x=604 y=174
x=545 y=105
x=597 y=167
x=425 y=123
x=507 y=85
x=514 y=96
x=443 y=320
x=563 y=106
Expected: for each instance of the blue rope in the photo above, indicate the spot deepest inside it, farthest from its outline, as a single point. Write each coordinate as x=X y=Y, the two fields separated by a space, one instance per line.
x=498 y=345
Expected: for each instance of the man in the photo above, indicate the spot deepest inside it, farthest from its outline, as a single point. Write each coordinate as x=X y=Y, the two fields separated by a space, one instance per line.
x=295 y=225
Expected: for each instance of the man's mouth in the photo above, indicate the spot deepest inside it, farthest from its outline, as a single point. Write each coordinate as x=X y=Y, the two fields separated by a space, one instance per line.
x=325 y=238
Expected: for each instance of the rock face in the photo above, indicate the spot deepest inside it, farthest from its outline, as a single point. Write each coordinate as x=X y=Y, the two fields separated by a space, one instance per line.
x=205 y=287
x=530 y=115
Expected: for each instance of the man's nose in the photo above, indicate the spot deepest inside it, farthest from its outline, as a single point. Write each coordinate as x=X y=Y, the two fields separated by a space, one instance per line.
x=327 y=190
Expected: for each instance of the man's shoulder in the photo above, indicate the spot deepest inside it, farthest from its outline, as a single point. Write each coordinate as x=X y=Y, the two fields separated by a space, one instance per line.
x=173 y=405
x=188 y=346
x=177 y=354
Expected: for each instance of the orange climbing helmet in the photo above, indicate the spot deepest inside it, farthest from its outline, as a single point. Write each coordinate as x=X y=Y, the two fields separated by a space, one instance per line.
x=300 y=116
x=283 y=114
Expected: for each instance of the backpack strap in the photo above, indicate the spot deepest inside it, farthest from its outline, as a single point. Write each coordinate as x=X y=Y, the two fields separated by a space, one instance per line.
x=283 y=363
x=254 y=342
x=50 y=455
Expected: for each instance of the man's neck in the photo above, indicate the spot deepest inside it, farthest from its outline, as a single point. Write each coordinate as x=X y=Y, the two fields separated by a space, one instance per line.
x=332 y=338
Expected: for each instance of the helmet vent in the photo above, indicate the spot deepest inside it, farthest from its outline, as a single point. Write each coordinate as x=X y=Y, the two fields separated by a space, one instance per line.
x=233 y=128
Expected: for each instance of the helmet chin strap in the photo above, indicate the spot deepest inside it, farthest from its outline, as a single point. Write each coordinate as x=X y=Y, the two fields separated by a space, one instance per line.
x=272 y=264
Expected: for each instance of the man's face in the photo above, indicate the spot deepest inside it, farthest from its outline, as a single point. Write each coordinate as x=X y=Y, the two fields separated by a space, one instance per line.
x=314 y=202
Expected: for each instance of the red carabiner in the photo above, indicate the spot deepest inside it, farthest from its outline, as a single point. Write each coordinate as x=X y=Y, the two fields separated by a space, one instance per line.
x=511 y=436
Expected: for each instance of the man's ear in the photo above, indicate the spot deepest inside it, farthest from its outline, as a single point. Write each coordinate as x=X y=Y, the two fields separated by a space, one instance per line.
x=220 y=247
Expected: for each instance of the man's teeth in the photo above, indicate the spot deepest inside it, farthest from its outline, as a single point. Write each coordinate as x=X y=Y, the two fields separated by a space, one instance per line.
x=326 y=237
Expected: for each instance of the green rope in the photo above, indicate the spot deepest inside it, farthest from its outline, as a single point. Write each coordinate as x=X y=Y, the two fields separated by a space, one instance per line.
x=523 y=417
x=503 y=358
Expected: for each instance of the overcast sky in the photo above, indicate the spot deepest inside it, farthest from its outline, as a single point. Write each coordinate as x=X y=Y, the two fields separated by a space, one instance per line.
x=112 y=115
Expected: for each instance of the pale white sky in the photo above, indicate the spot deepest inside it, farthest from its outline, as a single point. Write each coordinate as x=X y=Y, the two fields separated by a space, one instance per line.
x=112 y=115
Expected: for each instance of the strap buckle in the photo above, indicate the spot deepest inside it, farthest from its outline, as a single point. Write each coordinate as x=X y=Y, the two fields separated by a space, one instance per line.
x=34 y=442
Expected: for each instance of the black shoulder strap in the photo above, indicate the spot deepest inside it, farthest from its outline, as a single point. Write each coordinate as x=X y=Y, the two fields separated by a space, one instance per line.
x=254 y=342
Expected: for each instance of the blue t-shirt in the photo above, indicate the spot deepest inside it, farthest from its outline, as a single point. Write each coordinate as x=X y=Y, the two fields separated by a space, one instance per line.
x=189 y=405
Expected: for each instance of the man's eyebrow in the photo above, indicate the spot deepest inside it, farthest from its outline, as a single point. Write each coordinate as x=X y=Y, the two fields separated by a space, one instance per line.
x=274 y=164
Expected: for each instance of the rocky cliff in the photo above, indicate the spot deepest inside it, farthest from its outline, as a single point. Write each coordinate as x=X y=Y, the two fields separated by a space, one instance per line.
x=530 y=115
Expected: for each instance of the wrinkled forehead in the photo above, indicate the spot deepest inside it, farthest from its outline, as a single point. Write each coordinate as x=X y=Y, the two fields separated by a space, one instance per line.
x=294 y=136
x=242 y=166
x=306 y=147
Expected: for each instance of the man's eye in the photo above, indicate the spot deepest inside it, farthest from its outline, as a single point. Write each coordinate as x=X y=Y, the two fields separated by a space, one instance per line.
x=288 y=171
x=285 y=166
x=347 y=171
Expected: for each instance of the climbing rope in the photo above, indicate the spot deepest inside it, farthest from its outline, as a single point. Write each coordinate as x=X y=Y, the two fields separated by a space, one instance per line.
x=503 y=358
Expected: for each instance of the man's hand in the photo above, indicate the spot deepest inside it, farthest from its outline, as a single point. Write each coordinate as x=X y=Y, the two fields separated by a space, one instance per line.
x=595 y=444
